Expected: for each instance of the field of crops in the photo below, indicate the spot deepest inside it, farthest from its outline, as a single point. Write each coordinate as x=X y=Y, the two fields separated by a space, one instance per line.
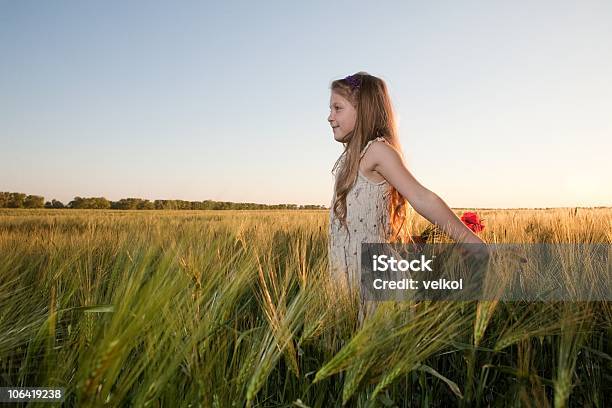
x=233 y=308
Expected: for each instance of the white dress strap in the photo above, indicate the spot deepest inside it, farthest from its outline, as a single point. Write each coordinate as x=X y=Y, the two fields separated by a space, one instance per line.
x=380 y=139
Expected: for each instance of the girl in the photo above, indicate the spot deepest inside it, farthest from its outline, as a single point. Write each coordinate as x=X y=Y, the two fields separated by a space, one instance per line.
x=372 y=182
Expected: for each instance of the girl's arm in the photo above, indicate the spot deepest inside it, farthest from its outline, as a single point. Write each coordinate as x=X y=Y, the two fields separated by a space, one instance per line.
x=388 y=163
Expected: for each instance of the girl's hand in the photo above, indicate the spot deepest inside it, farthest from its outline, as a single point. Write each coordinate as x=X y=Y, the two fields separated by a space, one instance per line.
x=475 y=247
x=482 y=251
x=478 y=250
x=473 y=239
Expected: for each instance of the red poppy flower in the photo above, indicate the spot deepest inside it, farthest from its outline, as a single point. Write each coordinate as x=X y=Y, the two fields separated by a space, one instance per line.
x=473 y=221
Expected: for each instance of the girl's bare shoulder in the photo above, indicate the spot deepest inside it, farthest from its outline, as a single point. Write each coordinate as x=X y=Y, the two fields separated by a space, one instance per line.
x=378 y=151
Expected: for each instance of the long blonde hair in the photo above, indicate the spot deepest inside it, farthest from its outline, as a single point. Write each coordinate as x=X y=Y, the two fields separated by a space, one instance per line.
x=375 y=118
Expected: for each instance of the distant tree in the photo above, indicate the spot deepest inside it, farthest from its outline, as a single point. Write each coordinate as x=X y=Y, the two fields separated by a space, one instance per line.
x=89 y=203
x=16 y=200
x=100 y=203
x=125 y=204
x=145 y=205
x=34 y=201
x=166 y=205
x=312 y=207
x=208 y=204
x=54 y=204
x=77 y=203
x=21 y=200
x=4 y=199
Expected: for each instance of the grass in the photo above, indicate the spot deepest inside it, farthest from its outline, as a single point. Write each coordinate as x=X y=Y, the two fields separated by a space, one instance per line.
x=233 y=308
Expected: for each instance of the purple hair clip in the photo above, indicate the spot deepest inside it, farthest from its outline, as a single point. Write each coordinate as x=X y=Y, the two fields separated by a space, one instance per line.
x=354 y=81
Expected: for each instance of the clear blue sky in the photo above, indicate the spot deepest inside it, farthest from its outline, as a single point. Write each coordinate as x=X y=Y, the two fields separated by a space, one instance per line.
x=500 y=104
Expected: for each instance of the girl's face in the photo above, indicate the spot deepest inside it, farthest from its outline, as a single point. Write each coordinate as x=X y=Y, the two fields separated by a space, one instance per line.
x=342 y=117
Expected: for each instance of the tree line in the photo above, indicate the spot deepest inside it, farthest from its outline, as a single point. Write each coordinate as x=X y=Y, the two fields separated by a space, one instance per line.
x=21 y=200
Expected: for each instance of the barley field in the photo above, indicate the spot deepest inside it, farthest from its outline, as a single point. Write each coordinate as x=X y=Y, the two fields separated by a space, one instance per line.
x=234 y=309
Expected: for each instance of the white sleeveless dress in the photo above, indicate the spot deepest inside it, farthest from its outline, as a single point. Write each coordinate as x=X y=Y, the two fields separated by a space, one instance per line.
x=367 y=217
